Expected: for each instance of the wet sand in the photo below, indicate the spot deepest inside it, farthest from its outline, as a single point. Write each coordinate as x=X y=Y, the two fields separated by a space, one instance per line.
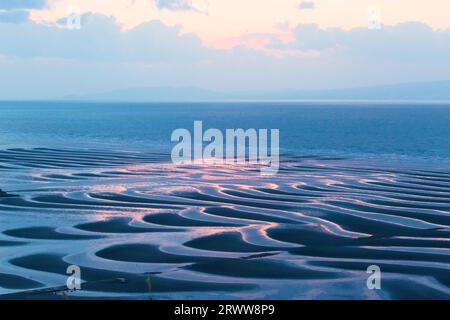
x=141 y=228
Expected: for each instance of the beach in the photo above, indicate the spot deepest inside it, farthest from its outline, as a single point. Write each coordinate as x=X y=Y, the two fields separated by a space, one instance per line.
x=111 y=201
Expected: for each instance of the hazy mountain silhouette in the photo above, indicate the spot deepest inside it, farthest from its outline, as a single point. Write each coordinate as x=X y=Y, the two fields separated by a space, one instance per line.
x=437 y=90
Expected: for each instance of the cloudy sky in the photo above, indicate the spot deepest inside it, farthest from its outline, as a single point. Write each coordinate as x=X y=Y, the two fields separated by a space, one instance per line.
x=55 y=48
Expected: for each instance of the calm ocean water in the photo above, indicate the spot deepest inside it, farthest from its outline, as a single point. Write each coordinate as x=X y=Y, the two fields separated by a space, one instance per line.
x=91 y=185
x=380 y=130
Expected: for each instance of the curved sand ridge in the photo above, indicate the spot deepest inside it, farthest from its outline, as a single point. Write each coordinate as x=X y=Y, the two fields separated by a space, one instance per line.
x=140 y=227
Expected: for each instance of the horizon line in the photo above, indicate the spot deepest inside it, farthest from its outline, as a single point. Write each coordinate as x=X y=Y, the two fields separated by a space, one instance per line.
x=349 y=100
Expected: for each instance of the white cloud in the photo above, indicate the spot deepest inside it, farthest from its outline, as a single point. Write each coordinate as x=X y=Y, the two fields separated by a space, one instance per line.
x=100 y=38
x=411 y=41
x=51 y=61
x=174 y=4
x=307 y=5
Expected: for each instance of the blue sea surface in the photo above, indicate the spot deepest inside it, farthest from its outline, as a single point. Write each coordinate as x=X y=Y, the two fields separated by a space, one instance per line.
x=346 y=128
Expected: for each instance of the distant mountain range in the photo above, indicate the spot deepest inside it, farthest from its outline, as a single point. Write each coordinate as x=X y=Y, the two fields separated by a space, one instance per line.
x=437 y=90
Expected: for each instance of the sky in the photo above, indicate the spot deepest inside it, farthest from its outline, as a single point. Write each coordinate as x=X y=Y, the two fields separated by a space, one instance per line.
x=55 y=48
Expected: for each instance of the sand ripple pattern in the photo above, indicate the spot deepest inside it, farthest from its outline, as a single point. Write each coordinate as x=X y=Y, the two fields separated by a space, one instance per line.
x=142 y=228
